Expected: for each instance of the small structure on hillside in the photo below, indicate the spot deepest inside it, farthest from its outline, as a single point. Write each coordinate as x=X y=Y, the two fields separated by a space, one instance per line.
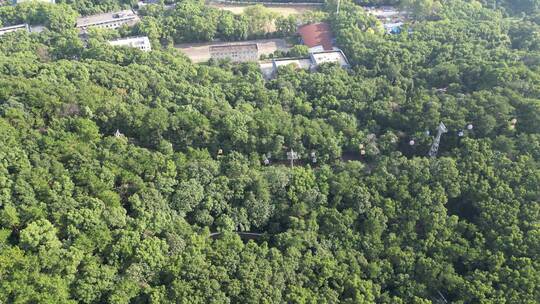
x=146 y=2
x=235 y=52
x=317 y=36
x=299 y=63
x=393 y=28
x=37 y=28
x=391 y=18
x=24 y=27
x=141 y=43
x=108 y=20
x=14 y=28
x=328 y=57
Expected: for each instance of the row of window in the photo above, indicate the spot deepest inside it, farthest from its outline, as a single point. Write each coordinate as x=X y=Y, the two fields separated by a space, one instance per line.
x=235 y=54
x=108 y=24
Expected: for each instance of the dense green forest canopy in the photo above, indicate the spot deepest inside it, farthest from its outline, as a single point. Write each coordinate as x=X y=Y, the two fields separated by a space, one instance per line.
x=88 y=7
x=88 y=215
x=193 y=21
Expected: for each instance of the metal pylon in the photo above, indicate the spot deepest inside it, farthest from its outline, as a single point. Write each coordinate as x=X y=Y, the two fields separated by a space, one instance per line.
x=435 y=146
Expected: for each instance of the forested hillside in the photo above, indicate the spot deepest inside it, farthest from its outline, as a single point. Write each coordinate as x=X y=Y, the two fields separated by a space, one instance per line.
x=112 y=180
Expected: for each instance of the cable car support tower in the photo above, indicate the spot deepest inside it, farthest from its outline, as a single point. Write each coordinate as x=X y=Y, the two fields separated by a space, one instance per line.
x=435 y=145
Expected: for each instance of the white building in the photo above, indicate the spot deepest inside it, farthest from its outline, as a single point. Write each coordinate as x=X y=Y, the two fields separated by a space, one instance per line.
x=37 y=28
x=141 y=43
x=146 y=2
x=384 y=12
x=13 y=28
x=328 y=57
x=235 y=52
x=108 y=20
x=24 y=27
x=301 y=63
x=269 y=70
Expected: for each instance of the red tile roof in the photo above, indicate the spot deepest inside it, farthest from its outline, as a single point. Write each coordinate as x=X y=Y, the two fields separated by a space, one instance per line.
x=316 y=34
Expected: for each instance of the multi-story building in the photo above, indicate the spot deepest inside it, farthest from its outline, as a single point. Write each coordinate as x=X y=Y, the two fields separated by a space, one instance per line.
x=13 y=28
x=108 y=20
x=235 y=52
x=141 y=43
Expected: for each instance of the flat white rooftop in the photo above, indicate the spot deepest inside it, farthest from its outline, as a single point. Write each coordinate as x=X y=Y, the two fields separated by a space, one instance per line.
x=303 y=63
x=124 y=15
x=13 y=28
x=37 y=28
x=142 y=43
x=269 y=68
x=330 y=56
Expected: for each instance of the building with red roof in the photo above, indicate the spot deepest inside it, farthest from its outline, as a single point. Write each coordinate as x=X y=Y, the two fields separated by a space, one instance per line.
x=317 y=36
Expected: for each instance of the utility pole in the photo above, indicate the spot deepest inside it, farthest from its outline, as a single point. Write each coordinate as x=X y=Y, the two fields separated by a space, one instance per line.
x=435 y=146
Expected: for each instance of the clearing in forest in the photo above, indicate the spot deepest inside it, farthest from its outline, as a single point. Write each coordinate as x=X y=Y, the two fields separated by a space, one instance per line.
x=283 y=10
x=200 y=52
